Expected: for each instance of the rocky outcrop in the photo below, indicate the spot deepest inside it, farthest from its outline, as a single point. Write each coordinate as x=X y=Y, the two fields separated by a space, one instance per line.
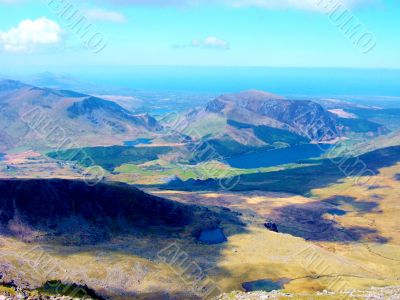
x=98 y=110
x=271 y=226
x=368 y=294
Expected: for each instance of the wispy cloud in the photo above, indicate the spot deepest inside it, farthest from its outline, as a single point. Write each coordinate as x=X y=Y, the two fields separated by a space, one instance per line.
x=210 y=42
x=312 y=5
x=10 y=1
x=29 y=34
x=98 y=14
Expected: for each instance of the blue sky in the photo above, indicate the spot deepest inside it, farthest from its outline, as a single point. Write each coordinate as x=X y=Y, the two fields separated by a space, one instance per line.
x=277 y=33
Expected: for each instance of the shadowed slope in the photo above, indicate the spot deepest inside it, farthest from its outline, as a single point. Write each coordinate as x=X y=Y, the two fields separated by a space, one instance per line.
x=91 y=213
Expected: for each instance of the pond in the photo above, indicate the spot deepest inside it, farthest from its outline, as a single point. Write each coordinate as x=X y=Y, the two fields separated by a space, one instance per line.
x=140 y=141
x=265 y=285
x=57 y=287
x=212 y=236
x=276 y=157
x=2 y=156
x=337 y=212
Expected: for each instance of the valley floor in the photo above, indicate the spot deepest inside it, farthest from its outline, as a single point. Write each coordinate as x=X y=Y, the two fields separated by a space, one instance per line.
x=343 y=236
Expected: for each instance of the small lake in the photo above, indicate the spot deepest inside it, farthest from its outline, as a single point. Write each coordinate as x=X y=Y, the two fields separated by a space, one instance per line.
x=2 y=156
x=337 y=212
x=213 y=236
x=265 y=285
x=276 y=157
x=141 y=141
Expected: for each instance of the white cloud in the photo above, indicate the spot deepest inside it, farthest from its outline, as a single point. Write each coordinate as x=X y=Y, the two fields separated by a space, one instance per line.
x=29 y=34
x=210 y=42
x=213 y=42
x=98 y=14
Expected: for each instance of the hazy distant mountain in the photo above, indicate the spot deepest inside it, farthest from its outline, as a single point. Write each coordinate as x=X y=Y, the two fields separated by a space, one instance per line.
x=28 y=113
x=58 y=81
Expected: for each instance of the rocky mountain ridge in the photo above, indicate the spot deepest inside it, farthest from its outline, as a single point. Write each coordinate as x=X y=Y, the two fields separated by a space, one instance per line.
x=303 y=117
x=25 y=109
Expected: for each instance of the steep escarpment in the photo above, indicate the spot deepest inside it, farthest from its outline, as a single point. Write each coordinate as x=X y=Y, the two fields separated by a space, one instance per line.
x=99 y=111
x=79 y=212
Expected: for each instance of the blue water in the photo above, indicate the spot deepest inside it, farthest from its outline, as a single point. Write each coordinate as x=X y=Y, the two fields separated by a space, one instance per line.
x=284 y=81
x=263 y=285
x=136 y=142
x=270 y=158
x=213 y=236
x=337 y=212
x=2 y=155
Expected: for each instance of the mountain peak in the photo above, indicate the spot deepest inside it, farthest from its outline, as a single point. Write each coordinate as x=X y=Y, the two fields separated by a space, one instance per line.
x=261 y=108
x=255 y=95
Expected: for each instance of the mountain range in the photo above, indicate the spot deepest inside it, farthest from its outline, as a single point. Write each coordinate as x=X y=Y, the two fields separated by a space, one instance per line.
x=28 y=111
x=231 y=123
x=252 y=120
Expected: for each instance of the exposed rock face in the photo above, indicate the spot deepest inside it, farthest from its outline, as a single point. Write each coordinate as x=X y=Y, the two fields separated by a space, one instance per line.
x=88 y=213
x=306 y=118
x=271 y=226
x=91 y=104
x=98 y=110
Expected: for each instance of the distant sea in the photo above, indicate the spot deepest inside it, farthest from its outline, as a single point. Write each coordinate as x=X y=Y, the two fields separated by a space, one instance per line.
x=284 y=81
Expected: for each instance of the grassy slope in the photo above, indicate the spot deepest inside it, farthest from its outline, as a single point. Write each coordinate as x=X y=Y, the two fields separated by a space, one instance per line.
x=360 y=125
x=159 y=171
x=304 y=179
x=110 y=157
x=271 y=135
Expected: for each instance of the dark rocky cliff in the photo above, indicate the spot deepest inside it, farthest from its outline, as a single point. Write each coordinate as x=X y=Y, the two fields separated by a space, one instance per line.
x=89 y=213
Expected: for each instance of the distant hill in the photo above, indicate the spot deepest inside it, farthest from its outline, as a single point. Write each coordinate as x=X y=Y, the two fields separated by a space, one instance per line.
x=25 y=109
x=265 y=109
x=253 y=120
x=57 y=81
